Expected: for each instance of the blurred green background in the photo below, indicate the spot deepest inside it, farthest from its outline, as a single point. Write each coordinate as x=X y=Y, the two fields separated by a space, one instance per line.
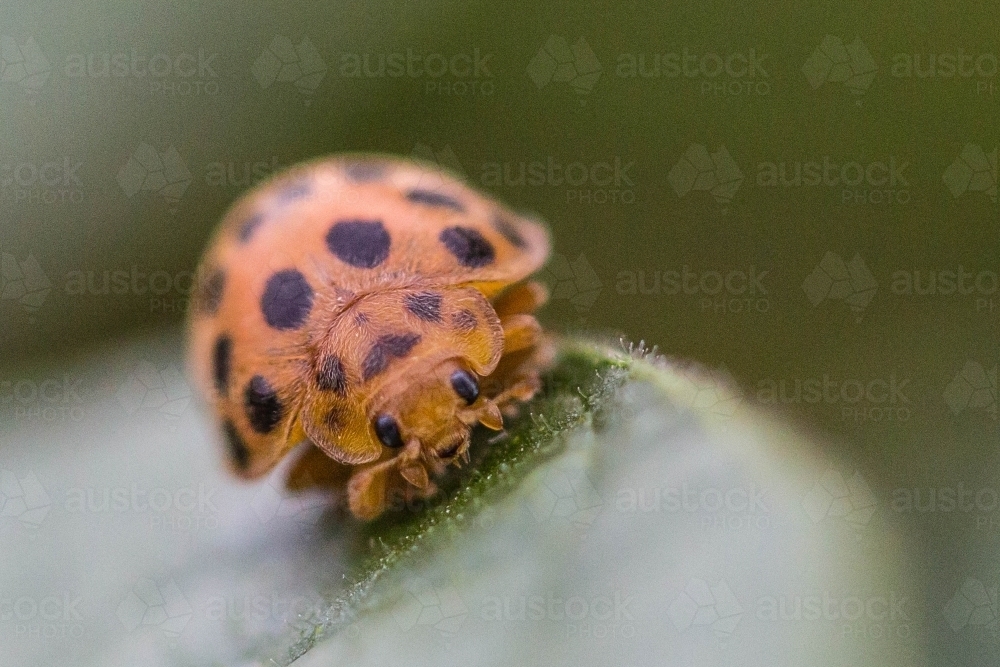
x=650 y=133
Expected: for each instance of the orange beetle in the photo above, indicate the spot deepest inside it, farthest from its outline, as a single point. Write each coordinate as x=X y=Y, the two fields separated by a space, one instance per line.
x=375 y=307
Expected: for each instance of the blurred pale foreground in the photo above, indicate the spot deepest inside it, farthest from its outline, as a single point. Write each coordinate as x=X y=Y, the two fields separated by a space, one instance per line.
x=674 y=527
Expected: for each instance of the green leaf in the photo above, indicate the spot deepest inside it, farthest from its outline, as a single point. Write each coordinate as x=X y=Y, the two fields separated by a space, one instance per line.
x=637 y=512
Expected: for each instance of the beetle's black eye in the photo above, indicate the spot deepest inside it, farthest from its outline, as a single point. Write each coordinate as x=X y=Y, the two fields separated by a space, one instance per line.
x=465 y=386
x=387 y=431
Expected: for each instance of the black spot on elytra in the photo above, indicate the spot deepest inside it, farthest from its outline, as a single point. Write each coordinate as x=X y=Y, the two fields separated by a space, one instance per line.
x=432 y=198
x=468 y=246
x=238 y=451
x=364 y=172
x=464 y=320
x=425 y=305
x=508 y=230
x=249 y=226
x=222 y=359
x=375 y=362
x=399 y=345
x=361 y=243
x=287 y=300
x=296 y=189
x=262 y=406
x=385 y=349
x=210 y=292
x=330 y=376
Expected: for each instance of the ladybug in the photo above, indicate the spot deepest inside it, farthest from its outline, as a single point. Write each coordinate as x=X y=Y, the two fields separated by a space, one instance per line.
x=375 y=307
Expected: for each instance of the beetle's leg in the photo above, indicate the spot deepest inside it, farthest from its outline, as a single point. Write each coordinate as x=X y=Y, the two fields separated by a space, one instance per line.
x=527 y=351
x=520 y=332
x=315 y=469
x=374 y=487
x=521 y=298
